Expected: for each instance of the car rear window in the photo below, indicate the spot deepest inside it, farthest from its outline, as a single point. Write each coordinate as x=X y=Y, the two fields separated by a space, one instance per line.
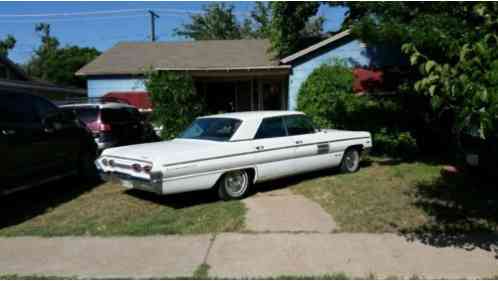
x=119 y=115
x=86 y=114
x=216 y=129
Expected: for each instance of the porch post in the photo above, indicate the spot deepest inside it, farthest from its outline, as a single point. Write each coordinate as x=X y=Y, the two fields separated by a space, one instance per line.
x=252 y=93
x=284 y=94
x=236 y=105
x=260 y=95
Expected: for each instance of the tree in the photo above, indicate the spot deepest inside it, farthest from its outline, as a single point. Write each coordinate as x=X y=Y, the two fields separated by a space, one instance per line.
x=261 y=16
x=216 y=23
x=58 y=65
x=288 y=23
x=6 y=45
x=175 y=89
x=465 y=84
x=65 y=62
x=452 y=50
x=436 y=28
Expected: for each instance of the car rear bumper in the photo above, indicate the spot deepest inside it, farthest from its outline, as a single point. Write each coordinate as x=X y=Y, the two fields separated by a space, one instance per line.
x=101 y=145
x=130 y=182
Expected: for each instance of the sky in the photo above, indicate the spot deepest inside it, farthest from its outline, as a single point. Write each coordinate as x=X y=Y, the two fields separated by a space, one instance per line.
x=101 y=30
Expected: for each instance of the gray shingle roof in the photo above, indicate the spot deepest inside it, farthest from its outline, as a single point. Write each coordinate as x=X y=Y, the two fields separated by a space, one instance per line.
x=137 y=57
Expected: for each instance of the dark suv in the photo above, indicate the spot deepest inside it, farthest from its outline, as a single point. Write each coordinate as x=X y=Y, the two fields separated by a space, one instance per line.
x=39 y=143
x=113 y=124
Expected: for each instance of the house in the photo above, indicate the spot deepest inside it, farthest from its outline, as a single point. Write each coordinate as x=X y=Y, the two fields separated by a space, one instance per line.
x=14 y=79
x=233 y=75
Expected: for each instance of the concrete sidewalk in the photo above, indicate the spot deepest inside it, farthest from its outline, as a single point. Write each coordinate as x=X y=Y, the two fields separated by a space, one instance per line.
x=241 y=255
x=283 y=211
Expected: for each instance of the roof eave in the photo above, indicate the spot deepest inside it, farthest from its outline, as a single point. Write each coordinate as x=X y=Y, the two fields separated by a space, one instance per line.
x=196 y=69
x=237 y=68
x=316 y=46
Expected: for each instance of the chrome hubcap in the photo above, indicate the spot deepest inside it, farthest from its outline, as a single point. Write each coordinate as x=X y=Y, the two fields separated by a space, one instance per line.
x=236 y=183
x=352 y=160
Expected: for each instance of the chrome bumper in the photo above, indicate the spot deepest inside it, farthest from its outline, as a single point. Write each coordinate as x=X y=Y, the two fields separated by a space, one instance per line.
x=129 y=182
x=104 y=145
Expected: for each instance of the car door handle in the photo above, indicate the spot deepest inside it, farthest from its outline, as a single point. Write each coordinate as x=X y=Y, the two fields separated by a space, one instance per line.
x=299 y=142
x=260 y=147
x=8 y=132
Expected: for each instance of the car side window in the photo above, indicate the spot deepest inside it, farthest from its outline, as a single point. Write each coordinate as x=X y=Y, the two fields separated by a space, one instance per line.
x=271 y=128
x=43 y=107
x=299 y=125
x=17 y=108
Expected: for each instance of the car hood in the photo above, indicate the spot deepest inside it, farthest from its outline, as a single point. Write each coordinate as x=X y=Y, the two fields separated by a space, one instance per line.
x=165 y=152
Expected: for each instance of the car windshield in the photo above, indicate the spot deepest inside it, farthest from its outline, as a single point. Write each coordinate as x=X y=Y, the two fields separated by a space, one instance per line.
x=217 y=129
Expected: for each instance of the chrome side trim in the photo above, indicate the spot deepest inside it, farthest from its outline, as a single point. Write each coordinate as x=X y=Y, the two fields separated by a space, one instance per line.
x=126 y=158
x=260 y=151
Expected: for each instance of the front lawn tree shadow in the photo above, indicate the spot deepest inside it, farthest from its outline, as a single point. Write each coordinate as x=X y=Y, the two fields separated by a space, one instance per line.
x=25 y=205
x=462 y=211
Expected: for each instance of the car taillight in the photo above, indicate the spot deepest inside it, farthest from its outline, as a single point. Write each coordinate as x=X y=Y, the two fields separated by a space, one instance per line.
x=104 y=127
x=136 y=167
x=147 y=168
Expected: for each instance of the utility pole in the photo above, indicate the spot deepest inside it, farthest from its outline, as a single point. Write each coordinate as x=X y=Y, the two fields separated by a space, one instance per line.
x=153 y=17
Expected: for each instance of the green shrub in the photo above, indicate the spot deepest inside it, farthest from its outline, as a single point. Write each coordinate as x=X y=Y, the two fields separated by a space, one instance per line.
x=326 y=96
x=394 y=144
x=324 y=82
x=176 y=104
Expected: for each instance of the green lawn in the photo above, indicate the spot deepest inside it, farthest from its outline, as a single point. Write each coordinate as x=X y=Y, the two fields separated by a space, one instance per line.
x=68 y=208
x=384 y=196
x=392 y=196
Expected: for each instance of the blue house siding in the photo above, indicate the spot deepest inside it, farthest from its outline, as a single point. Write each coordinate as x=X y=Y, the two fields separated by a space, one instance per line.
x=98 y=87
x=353 y=52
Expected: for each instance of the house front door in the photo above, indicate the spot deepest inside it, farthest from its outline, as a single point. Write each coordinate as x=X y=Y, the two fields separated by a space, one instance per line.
x=271 y=95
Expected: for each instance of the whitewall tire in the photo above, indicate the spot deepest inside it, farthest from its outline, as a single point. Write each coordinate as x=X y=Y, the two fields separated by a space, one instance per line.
x=234 y=185
x=350 y=161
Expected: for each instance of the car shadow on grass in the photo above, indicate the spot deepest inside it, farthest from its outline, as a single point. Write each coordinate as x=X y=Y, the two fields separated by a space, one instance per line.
x=463 y=212
x=189 y=199
x=25 y=205
x=176 y=201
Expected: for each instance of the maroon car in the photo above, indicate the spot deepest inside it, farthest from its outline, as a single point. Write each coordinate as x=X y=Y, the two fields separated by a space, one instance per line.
x=114 y=124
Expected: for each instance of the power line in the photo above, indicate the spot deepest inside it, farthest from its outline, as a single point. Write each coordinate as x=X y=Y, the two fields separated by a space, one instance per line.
x=194 y=12
x=73 y=20
x=72 y=13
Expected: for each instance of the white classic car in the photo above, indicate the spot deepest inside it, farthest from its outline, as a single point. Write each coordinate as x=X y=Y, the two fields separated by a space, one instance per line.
x=232 y=151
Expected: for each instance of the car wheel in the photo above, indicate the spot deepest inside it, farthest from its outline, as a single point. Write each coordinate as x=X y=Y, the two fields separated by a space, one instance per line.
x=86 y=166
x=234 y=185
x=350 y=161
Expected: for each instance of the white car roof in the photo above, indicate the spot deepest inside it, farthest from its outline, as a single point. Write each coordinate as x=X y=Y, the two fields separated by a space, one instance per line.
x=100 y=105
x=250 y=121
x=253 y=115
